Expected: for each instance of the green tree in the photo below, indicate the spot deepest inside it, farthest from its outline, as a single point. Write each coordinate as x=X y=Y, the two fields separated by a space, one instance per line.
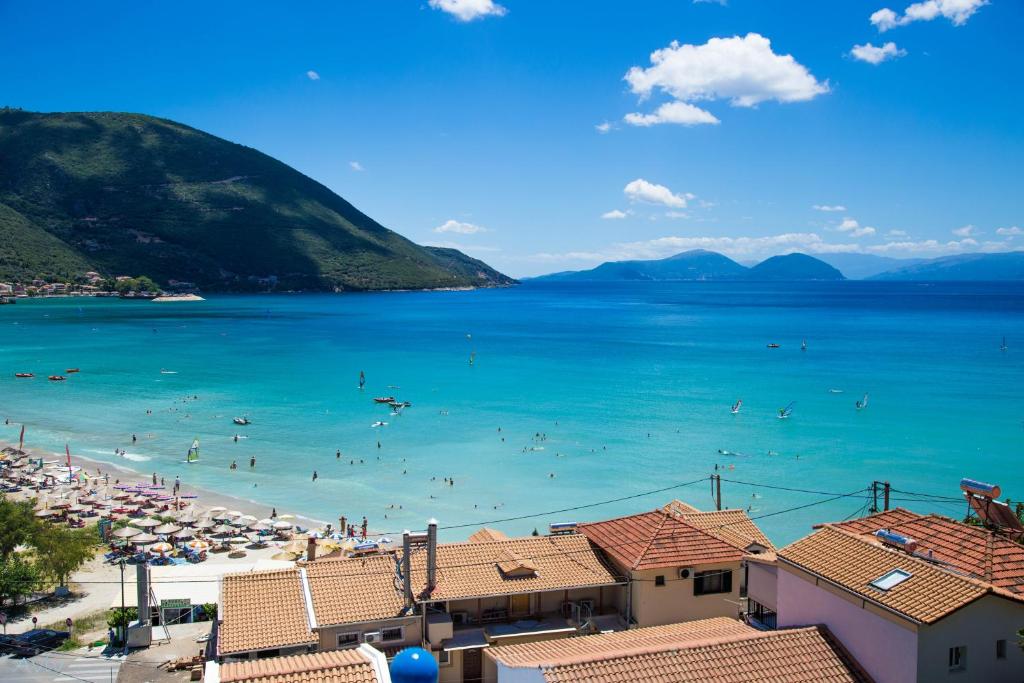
x=17 y=525
x=18 y=578
x=61 y=551
x=210 y=611
x=121 y=617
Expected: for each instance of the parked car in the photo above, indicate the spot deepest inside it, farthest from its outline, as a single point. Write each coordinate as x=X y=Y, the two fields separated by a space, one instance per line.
x=40 y=640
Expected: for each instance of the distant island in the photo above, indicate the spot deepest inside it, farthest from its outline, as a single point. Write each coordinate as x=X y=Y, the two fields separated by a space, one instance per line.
x=112 y=194
x=700 y=264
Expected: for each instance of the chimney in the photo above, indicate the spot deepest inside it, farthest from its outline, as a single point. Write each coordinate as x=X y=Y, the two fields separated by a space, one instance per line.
x=431 y=555
x=310 y=549
x=142 y=595
x=407 y=569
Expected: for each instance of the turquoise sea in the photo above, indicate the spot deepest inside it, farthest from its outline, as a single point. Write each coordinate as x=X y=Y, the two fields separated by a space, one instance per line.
x=631 y=384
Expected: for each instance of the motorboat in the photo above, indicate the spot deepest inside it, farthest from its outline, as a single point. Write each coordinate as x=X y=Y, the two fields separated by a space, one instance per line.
x=57 y=378
x=384 y=399
x=24 y=374
x=71 y=370
x=773 y=345
x=241 y=421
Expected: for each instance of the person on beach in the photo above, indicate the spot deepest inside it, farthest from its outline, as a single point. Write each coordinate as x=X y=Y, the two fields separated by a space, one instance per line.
x=315 y=476
x=134 y=438
x=177 y=484
x=364 y=527
x=273 y=513
x=252 y=462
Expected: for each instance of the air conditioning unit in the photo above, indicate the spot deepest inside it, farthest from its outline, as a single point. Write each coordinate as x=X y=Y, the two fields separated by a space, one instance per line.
x=685 y=573
x=372 y=637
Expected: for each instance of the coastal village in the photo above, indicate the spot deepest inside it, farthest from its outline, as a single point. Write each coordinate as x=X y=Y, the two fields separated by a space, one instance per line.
x=92 y=283
x=673 y=593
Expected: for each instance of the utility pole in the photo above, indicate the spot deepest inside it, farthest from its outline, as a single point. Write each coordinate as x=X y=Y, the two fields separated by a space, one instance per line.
x=886 y=493
x=716 y=490
x=124 y=632
x=874 y=497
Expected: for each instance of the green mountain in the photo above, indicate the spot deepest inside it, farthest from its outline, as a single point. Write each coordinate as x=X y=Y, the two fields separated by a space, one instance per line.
x=963 y=267
x=129 y=194
x=700 y=264
x=793 y=267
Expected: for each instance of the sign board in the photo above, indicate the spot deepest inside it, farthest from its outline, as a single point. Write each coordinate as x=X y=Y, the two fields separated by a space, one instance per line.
x=35 y=620
x=176 y=603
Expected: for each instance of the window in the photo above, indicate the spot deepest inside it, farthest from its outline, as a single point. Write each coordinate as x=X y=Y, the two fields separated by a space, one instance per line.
x=396 y=633
x=1000 y=649
x=348 y=640
x=890 y=579
x=444 y=658
x=958 y=658
x=715 y=581
x=659 y=580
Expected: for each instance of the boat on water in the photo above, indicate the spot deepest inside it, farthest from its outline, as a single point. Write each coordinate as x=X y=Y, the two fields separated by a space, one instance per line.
x=803 y=345
x=24 y=374
x=362 y=379
x=71 y=370
x=400 y=404
x=773 y=345
x=384 y=399
x=379 y=423
x=736 y=406
x=242 y=421
x=863 y=403
x=784 y=413
x=164 y=371
x=193 y=453
x=1003 y=346
x=835 y=391
x=56 y=378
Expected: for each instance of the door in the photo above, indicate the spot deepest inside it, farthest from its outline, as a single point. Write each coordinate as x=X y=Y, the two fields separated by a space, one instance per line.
x=472 y=665
x=519 y=605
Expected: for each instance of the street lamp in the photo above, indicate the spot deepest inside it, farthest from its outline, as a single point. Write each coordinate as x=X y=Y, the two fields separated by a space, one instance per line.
x=124 y=627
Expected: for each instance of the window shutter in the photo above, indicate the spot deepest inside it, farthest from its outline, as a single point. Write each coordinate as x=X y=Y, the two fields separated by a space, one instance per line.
x=727 y=582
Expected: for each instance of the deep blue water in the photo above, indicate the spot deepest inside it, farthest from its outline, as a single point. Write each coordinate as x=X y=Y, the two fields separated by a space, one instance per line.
x=631 y=383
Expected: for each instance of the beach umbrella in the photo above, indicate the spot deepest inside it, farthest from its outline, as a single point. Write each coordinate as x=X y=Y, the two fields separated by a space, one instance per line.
x=296 y=547
x=240 y=523
x=183 y=534
x=282 y=526
x=206 y=524
x=236 y=540
x=266 y=520
x=161 y=548
x=247 y=519
x=146 y=523
x=223 y=530
x=165 y=529
x=46 y=513
x=261 y=526
x=232 y=514
x=289 y=557
x=197 y=545
x=216 y=509
x=144 y=539
x=188 y=519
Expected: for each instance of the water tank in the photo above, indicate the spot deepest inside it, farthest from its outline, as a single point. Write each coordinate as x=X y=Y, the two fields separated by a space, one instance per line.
x=562 y=528
x=414 y=665
x=980 y=488
x=892 y=538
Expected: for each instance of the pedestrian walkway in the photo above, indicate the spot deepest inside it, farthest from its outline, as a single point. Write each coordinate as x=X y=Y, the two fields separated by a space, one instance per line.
x=61 y=667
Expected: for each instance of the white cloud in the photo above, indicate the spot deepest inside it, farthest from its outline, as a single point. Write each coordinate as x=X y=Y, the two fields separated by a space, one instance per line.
x=827 y=207
x=603 y=127
x=854 y=229
x=614 y=214
x=876 y=55
x=723 y=3
x=957 y=11
x=965 y=231
x=640 y=190
x=355 y=166
x=676 y=214
x=682 y=113
x=1012 y=231
x=468 y=10
x=934 y=247
x=459 y=228
x=896 y=233
x=312 y=75
x=743 y=70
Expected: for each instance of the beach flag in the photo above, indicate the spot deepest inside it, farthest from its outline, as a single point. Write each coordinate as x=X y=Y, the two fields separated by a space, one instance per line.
x=67 y=450
x=21 y=439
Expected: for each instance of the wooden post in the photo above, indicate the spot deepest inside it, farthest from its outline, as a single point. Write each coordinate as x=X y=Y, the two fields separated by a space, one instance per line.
x=886 y=494
x=718 y=491
x=874 y=497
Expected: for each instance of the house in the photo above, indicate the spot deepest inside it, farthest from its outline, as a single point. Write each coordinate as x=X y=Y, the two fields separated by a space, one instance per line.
x=676 y=571
x=705 y=650
x=912 y=597
x=362 y=665
x=264 y=614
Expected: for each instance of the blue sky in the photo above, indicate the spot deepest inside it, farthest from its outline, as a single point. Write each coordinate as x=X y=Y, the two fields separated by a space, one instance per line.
x=545 y=136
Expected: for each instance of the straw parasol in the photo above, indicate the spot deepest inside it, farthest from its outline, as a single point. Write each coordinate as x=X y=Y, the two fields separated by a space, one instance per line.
x=261 y=526
x=282 y=526
x=214 y=510
x=223 y=530
x=232 y=514
x=46 y=513
x=146 y=523
x=144 y=539
x=161 y=548
x=165 y=529
x=294 y=547
x=238 y=540
x=290 y=557
x=183 y=534
x=206 y=524
x=126 y=532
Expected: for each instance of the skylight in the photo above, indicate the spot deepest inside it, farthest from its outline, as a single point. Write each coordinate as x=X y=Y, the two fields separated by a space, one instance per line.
x=890 y=579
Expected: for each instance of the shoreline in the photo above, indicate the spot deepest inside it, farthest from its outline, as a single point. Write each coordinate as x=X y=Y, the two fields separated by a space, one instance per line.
x=206 y=498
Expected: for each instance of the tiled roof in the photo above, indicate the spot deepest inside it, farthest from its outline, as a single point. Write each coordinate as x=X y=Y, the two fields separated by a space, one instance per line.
x=975 y=550
x=619 y=643
x=336 y=666
x=354 y=589
x=732 y=526
x=652 y=540
x=485 y=534
x=796 y=655
x=853 y=562
x=469 y=570
x=263 y=610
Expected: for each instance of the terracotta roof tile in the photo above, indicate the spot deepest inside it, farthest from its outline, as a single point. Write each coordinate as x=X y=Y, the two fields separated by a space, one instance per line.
x=355 y=589
x=469 y=570
x=619 y=643
x=484 y=535
x=262 y=610
x=336 y=666
x=788 y=656
x=652 y=540
x=853 y=562
x=732 y=526
x=975 y=550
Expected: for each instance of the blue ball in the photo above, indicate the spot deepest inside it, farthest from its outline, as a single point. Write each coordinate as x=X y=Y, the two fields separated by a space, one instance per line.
x=414 y=665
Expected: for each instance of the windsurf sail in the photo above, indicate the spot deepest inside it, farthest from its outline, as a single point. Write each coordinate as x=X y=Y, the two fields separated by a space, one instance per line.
x=787 y=411
x=803 y=345
x=362 y=379
x=863 y=403
x=21 y=439
x=737 y=405
x=472 y=357
x=67 y=450
x=193 y=452
x=1003 y=346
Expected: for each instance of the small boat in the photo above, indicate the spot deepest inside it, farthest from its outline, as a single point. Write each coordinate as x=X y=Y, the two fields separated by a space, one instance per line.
x=784 y=413
x=736 y=406
x=863 y=403
x=384 y=399
x=835 y=391
x=56 y=378
x=400 y=404
x=24 y=374
x=803 y=345
x=379 y=423
x=773 y=345
x=164 y=371
x=362 y=379
x=71 y=370
x=241 y=421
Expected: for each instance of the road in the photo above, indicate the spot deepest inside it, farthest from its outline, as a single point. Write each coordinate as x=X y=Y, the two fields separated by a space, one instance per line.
x=54 y=667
